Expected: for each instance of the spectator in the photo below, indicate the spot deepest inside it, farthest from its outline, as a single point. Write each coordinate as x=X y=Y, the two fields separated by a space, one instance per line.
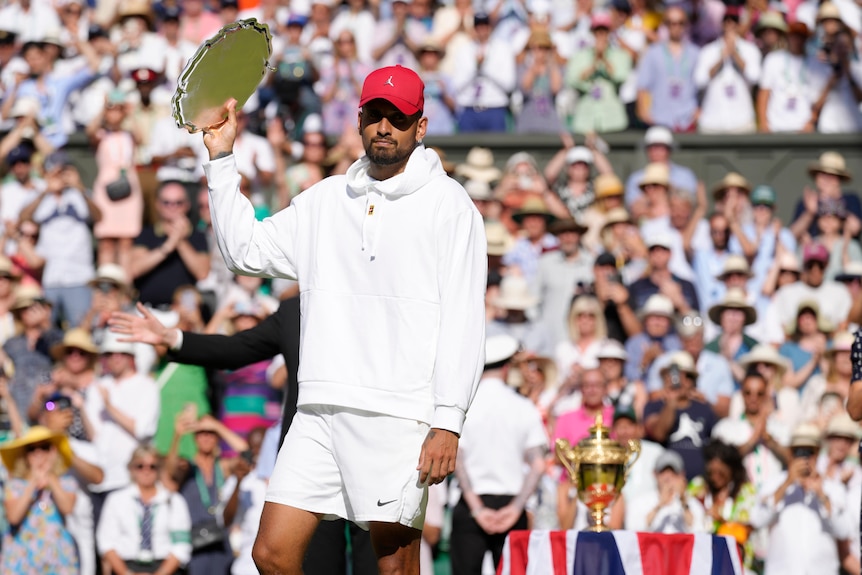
x=574 y=425
x=836 y=380
x=641 y=480
x=653 y=209
x=124 y=413
x=540 y=79
x=659 y=146
x=117 y=190
x=484 y=77
x=452 y=26
x=760 y=436
x=842 y=435
x=357 y=19
x=660 y=280
x=715 y=383
x=64 y=212
x=802 y=510
x=26 y=263
x=623 y=245
x=656 y=338
x=178 y=50
x=732 y=315
x=680 y=421
x=614 y=298
x=587 y=330
x=534 y=217
x=145 y=527
x=17 y=191
x=559 y=274
x=828 y=173
x=535 y=377
x=623 y=394
x=608 y=190
x=768 y=234
x=8 y=284
x=397 y=39
x=522 y=181
x=495 y=483
x=29 y=20
x=786 y=96
x=244 y=506
x=836 y=75
x=38 y=497
x=300 y=175
x=110 y=292
x=29 y=350
x=200 y=482
x=596 y=75
x=169 y=253
x=341 y=83
x=196 y=23
x=709 y=262
x=835 y=235
x=138 y=45
x=771 y=32
x=667 y=95
x=295 y=75
x=726 y=70
x=439 y=90
x=669 y=508
x=807 y=338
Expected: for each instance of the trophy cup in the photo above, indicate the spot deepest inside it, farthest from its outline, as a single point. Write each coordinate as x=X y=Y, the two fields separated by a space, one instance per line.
x=598 y=467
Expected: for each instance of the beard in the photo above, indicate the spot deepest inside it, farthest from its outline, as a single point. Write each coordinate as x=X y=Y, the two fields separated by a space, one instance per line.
x=388 y=157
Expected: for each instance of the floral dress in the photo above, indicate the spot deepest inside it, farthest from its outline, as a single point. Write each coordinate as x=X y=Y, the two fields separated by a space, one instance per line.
x=736 y=512
x=41 y=543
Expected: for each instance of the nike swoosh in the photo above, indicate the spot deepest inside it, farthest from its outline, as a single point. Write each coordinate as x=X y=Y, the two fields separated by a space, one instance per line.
x=382 y=503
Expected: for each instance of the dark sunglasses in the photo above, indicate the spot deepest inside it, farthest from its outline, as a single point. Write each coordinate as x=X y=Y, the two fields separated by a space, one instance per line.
x=38 y=447
x=150 y=466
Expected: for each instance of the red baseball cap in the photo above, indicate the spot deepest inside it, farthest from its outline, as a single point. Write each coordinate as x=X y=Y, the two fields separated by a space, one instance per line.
x=396 y=84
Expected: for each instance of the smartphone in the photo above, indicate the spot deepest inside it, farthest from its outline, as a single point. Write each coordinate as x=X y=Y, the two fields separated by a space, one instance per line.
x=191 y=412
x=248 y=456
x=675 y=379
x=802 y=451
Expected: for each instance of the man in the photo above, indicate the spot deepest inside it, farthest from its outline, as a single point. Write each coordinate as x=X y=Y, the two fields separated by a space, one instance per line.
x=658 y=144
x=64 y=212
x=533 y=218
x=667 y=95
x=661 y=280
x=515 y=302
x=501 y=459
x=426 y=266
x=709 y=261
x=559 y=274
x=726 y=70
x=398 y=39
x=668 y=508
x=19 y=190
x=169 y=253
x=803 y=512
x=574 y=426
x=680 y=420
x=786 y=96
x=656 y=338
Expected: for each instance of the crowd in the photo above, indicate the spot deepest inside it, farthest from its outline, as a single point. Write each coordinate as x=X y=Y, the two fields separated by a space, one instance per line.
x=686 y=313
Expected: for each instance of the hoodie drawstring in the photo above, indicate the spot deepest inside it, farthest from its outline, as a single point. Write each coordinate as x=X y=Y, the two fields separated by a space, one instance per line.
x=371 y=220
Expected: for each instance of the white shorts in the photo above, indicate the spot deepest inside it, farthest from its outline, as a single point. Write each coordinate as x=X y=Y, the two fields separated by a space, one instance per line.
x=352 y=464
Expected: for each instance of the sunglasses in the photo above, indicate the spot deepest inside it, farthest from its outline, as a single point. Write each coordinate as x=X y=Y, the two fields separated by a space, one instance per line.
x=38 y=447
x=749 y=393
x=172 y=203
x=149 y=466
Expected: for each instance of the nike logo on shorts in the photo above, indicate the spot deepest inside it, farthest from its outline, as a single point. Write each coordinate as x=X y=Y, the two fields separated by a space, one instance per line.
x=382 y=503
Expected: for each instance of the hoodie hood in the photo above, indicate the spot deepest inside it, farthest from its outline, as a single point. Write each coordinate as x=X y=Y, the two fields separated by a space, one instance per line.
x=423 y=166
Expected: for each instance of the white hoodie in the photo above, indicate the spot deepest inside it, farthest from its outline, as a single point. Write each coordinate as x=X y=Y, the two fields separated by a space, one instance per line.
x=392 y=276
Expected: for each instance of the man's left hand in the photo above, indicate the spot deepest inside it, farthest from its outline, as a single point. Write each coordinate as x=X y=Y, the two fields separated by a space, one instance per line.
x=437 y=458
x=219 y=139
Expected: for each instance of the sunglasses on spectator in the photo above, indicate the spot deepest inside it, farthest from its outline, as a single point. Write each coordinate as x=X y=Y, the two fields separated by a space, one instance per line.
x=172 y=203
x=749 y=393
x=38 y=447
x=149 y=466
x=76 y=351
x=814 y=263
x=675 y=22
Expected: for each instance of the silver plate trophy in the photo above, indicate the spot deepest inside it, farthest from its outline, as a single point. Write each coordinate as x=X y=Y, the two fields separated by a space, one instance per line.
x=231 y=64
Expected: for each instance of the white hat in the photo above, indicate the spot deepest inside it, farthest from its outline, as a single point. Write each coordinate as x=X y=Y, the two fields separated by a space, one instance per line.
x=500 y=348
x=112 y=344
x=659 y=241
x=479 y=165
x=312 y=124
x=806 y=435
x=735 y=263
x=579 y=154
x=111 y=273
x=658 y=304
x=682 y=360
x=515 y=294
x=842 y=425
x=658 y=135
x=478 y=190
x=612 y=349
x=24 y=106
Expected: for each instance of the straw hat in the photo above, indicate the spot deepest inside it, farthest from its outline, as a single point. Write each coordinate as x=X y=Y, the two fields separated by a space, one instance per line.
x=828 y=11
x=25 y=296
x=762 y=353
x=772 y=19
x=788 y=262
x=657 y=304
x=111 y=273
x=112 y=344
x=515 y=294
x=823 y=323
x=830 y=163
x=131 y=8
x=13 y=450
x=730 y=180
x=607 y=185
x=735 y=264
x=842 y=425
x=500 y=348
x=683 y=360
x=617 y=216
x=544 y=364
x=655 y=173
x=567 y=225
x=612 y=349
x=77 y=338
x=841 y=341
x=432 y=45
x=478 y=190
x=853 y=270
x=533 y=206
x=500 y=241
x=733 y=299
x=479 y=165
x=806 y=435
x=540 y=39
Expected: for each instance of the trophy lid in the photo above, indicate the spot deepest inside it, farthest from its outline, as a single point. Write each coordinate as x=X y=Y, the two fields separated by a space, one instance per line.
x=598 y=447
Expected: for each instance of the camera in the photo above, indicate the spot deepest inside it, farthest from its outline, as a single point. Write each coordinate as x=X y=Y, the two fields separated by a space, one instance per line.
x=801 y=451
x=248 y=456
x=57 y=403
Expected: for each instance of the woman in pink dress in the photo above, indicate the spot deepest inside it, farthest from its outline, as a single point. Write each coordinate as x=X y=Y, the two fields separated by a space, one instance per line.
x=115 y=151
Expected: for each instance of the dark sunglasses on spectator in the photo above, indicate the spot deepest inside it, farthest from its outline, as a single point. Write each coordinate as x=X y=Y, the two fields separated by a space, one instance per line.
x=24 y=234
x=811 y=264
x=675 y=22
x=105 y=287
x=150 y=466
x=38 y=447
x=173 y=203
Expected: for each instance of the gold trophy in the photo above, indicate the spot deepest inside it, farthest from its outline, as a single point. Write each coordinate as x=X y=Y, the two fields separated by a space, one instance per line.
x=598 y=467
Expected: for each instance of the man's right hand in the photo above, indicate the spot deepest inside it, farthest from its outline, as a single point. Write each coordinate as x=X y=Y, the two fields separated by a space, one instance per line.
x=219 y=139
x=146 y=329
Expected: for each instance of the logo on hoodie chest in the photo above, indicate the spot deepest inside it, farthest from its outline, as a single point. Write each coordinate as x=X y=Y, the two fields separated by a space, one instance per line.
x=371 y=210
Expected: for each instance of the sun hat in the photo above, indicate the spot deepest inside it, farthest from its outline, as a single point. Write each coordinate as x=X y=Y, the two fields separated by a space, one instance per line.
x=479 y=165
x=400 y=86
x=110 y=273
x=612 y=349
x=617 y=216
x=730 y=180
x=830 y=163
x=533 y=206
x=515 y=294
x=823 y=323
x=77 y=338
x=853 y=270
x=733 y=299
x=499 y=348
x=806 y=435
x=788 y=262
x=579 y=154
x=689 y=325
x=735 y=263
x=658 y=136
x=772 y=19
x=607 y=185
x=841 y=341
x=842 y=425
x=682 y=360
x=14 y=450
x=655 y=173
x=478 y=190
x=500 y=241
x=112 y=344
x=828 y=11
x=562 y=226
x=763 y=353
x=544 y=364
x=27 y=295
x=659 y=240
x=657 y=304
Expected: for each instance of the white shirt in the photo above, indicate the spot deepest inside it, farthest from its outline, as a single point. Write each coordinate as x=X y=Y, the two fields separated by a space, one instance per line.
x=33 y=24
x=253 y=154
x=175 y=58
x=788 y=79
x=761 y=464
x=669 y=519
x=490 y=85
x=252 y=496
x=502 y=426
x=65 y=240
x=840 y=113
x=80 y=521
x=166 y=140
x=362 y=25
x=399 y=54
x=14 y=197
x=727 y=104
x=136 y=396
x=832 y=297
x=119 y=529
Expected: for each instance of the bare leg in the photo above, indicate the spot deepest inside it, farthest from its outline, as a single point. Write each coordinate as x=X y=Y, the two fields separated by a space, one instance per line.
x=124 y=253
x=107 y=251
x=282 y=539
x=397 y=548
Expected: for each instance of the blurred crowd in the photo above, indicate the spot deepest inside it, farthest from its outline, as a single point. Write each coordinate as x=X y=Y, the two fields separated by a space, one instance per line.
x=686 y=313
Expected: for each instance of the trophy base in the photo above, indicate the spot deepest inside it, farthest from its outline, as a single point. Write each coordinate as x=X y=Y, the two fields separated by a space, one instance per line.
x=598 y=515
